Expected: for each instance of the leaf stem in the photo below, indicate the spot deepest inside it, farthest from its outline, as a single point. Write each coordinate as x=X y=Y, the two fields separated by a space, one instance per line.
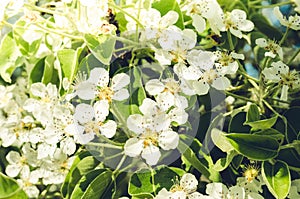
x=284 y=36
x=239 y=97
x=126 y=13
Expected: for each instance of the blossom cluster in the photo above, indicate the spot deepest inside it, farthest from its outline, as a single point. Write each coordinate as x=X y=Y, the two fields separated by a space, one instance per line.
x=127 y=75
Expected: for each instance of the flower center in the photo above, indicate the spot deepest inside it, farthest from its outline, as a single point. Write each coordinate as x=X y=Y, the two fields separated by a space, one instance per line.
x=209 y=76
x=105 y=93
x=173 y=87
x=150 y=138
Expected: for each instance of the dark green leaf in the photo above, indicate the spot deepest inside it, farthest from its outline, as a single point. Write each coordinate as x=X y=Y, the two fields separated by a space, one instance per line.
x=256 y=147
x=253 y=113
x=236 y=123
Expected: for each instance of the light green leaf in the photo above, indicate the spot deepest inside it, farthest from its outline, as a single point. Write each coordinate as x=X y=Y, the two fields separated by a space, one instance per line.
x=102 y=46
x=68 y=59
x=9 y=57
x=223 y=163
x=9 y=188
x=256 y=147
x=48 y=69
x=262 y=124
x=277 y=178
x=219 y=139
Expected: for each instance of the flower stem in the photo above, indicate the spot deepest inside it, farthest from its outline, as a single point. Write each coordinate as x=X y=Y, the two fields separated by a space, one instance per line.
x=231 y=46
x=126 y=13
x=284 y=36
x=45 y=10
x=273 y=5
x=294 y=56
x=239 y=97
x=105 y=145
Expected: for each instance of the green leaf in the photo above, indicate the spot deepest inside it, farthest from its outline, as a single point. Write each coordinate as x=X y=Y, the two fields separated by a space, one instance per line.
x=272 y=133
x=291 y=157
x=9 y=57
x=236 y=123
x=141 y=184
x=27 y=49
x=191 y=157
x=262 y=124
x=293 y=124
x=85 y=165
x=223 y=163
x=256 y=147
x=164 y=6
x=9 y=188
x=137 y=92
x=102 y=46
x=48 y=69
x=100 y=187
x=77 y=159
x=37 y=71
x=68 y=59
x=253 y=113
x=84 y=182
x=93 y=185
x=219 y=139
x=277 y=178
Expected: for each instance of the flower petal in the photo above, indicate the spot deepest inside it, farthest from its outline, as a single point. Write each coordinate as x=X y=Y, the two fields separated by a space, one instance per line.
x=86 y=90
x=189 y=183
x=199 y=23
x=221 y=83
x=151 y=154
x=99 y=76
x=121 y=94
x=120 y=81
x=133 y=147
x=84 y=113
x=135 y=123
x=154 y=87
x=101 y=109
x=168 y=140
x=108 y=129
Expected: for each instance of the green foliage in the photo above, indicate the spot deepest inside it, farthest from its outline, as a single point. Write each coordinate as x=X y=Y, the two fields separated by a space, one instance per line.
x=9 y=188
x=277 y=178
x=256 y=147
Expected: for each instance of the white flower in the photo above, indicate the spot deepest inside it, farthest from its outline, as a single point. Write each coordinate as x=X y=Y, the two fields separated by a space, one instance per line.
x=152 y=131
x=20 y=163
x=201 y=74
x=5 y=96
x=88 y=127
x=271 y=47
x=177 y=42
x=185 y=189
x=167 y=93
x=91 y=16
x=41 y=108
x=226 y=62
x=158 y=24
x=280 y=73
x=210 y=10
x=236 y=21
x=295 y=189
x=297 y=8
x=292 y=22
x=97 y=86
